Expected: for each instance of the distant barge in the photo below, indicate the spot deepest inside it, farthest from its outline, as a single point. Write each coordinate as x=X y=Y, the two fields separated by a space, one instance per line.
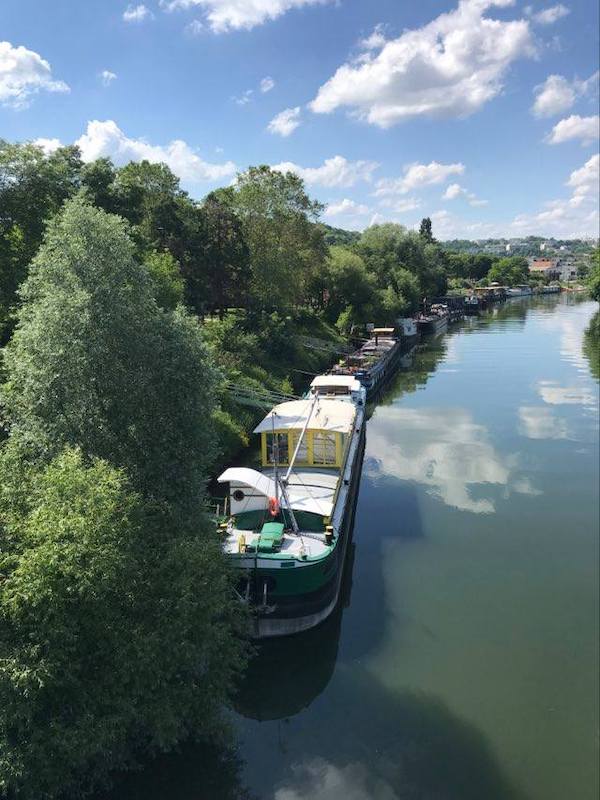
x=374 y=362
x=434 y=320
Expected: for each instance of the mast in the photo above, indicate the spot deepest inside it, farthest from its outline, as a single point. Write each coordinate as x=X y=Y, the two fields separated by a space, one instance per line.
x=299 y=442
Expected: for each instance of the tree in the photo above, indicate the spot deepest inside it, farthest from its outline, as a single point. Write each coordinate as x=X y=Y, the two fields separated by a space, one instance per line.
x=425 y=231
x=33 y=186
x=347 y=282
x=166 y=279
x=95 y=363
x=118 y=624
x=225 y=261
x=285 y=245
x=593 y=278
x=115 y=633
x=509 y=271
x=388 y=247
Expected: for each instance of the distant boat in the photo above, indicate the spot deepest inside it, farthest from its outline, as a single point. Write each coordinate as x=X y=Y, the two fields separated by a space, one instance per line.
x=522 y=290
x=374 y=362
x=289 y=522
x=433 y=321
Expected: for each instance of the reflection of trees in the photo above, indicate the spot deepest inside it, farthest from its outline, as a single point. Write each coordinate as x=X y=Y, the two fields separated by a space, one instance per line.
x=415 y=369
x=196 y=772
x=372 y=742
x=591 y=345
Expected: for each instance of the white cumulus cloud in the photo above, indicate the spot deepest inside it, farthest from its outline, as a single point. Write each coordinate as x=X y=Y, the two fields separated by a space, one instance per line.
x=450 y=67
x=417 y=175
x=455 y=190
x=584 y=181
x=24 y=73
x=548 y=16
x=333 y=172
x=227 y=15
x=47 y=145
x=107 y=139
x=557 y=94
x=285 y=122
x=107 y=77
x=572 y=217
x=586 y=129
x=346 y=207
x=137 y=13
x=267 y=84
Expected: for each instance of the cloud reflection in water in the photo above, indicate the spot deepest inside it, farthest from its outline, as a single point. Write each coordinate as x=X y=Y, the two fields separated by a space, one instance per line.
x=443 y=449
x=538 y=422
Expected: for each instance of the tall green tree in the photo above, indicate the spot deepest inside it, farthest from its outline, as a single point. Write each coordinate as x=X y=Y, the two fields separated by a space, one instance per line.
x=425 y=229
x=115 y=633
x=347 y=283
x=168 y=285
x=33 y=186
x=509 y=271
x=388 y=247
x=95 y=363
x=286 y=247
x=224 y=262
x=118 y=624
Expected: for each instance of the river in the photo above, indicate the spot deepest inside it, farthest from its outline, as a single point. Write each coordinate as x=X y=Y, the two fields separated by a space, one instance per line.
x=463 y=662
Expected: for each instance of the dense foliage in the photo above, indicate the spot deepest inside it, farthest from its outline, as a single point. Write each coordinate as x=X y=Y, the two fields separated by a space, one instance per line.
x=593 y=278
x=118 y=624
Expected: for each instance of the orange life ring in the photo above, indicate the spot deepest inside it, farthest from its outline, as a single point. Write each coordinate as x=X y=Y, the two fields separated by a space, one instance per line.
x=273 y=506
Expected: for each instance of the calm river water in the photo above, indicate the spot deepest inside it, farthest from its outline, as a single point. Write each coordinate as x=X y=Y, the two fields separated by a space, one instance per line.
x=463 y=664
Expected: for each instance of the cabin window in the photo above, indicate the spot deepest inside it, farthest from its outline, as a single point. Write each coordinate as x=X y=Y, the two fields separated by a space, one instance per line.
x=324 y=449
x=277 y=448
x=302 y=457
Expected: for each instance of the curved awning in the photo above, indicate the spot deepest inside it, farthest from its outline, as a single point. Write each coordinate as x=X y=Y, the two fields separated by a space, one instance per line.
x=304 y=495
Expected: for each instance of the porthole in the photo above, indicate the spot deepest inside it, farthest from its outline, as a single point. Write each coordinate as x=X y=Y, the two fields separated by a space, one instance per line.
x=238 y=495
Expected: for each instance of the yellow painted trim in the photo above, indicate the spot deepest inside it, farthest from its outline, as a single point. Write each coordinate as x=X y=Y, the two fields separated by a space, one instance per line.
x=309 y=447
x=338 y=449
x=263 y=448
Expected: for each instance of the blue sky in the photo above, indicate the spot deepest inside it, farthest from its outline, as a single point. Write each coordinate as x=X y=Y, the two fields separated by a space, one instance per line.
x=482 y=115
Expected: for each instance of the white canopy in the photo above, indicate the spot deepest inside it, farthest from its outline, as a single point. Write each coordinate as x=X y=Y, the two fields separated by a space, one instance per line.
x=315 y=498
x=329 y=415
x=336 y=380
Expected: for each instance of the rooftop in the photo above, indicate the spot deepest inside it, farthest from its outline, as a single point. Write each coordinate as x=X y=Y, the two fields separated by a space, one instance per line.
x=329 y=415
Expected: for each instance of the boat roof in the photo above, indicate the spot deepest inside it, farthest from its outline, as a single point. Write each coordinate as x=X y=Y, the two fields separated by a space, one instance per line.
x=308 y=490
x=329 y=415
x=383 y=330
x=336 y=380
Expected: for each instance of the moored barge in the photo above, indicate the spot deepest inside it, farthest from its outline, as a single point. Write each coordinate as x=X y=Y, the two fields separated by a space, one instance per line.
x=289 y=523
x=434 y=320
x=377 y=358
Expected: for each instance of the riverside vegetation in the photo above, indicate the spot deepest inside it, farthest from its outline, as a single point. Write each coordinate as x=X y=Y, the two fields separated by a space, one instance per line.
x=126 y=310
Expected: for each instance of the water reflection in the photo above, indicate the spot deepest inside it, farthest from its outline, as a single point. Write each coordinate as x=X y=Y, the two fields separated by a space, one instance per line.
x=197 y=771
x=554 y=394
x=369 y=743
x=287 y=674
x=538 y=422
x=445 y=450
x=591 y=345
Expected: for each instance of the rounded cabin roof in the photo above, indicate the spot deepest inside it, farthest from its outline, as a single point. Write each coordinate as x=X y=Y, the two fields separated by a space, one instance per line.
x=329 y=415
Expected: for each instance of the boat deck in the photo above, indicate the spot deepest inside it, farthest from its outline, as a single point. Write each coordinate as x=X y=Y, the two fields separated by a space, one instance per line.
x=317 y=484
x=293 y=545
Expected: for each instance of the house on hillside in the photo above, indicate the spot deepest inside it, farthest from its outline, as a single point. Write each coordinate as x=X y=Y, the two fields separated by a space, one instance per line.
x=548 y=267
